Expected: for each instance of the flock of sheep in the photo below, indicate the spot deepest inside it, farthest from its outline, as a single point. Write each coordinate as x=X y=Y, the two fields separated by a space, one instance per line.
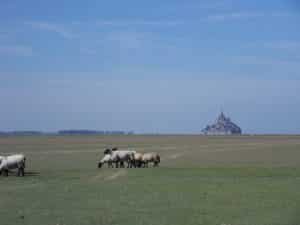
x=129 y=157
x=111 y=157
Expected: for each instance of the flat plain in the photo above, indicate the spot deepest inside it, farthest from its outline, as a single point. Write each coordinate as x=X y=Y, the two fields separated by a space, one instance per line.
x=232 y=180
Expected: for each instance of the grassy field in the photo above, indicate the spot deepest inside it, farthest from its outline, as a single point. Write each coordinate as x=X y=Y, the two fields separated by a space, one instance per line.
x=245 y=180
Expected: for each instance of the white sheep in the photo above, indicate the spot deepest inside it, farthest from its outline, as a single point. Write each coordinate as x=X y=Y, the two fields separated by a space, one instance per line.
x=106 y=159
x=150 y=157
x=137 y=159
x=12 y=162
x=119 y=157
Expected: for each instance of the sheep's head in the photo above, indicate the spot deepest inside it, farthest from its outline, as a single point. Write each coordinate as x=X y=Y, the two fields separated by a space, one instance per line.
x=107 y=151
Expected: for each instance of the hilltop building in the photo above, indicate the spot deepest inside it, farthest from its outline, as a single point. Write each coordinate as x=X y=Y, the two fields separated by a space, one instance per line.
x=222 y=126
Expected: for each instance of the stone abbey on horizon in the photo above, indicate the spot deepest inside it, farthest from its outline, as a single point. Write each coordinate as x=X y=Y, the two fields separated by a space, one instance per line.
x=222 y=126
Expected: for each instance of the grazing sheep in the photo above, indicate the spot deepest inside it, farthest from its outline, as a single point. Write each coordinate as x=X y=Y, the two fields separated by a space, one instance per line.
x=107 y=151
x=12 y=162
x=150 y=157
x=110 y=150
x=137 y=159
x=106 y=159
x=121 y=156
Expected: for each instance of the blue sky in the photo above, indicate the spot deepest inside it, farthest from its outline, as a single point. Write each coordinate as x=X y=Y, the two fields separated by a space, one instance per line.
x=149 y=66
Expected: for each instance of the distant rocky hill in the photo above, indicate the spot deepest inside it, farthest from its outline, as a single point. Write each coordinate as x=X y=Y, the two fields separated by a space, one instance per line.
x=222 y=126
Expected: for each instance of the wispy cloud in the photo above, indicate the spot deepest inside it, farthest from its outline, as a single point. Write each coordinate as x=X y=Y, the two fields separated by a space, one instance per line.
x=245 y=16
x=196 y=6
x=208 y=6
x=52 y=27
x=233 y=16
x=147 y=42
x=212 y=17
x=123 y=23
x=8 y=5
x=285 y=45
x=128 y=40
x=3 y=36
x=89 y=51
x=16 y=50
x=252 y=60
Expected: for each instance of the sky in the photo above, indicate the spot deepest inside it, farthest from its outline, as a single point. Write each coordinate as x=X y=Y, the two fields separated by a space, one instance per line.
x=149 y=66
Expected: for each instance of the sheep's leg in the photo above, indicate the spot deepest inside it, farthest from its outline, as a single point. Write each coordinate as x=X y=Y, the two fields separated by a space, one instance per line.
x=21 y=172
x=153 y=162
x=130 y=163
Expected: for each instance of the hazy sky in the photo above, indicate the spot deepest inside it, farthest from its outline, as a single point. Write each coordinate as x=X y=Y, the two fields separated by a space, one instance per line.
x=149 y=66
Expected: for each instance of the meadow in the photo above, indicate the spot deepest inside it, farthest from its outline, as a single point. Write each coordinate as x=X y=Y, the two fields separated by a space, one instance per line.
x=234 y=180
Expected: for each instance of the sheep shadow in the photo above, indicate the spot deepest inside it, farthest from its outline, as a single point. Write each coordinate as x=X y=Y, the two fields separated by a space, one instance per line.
x=26 y=173
x=32 y=173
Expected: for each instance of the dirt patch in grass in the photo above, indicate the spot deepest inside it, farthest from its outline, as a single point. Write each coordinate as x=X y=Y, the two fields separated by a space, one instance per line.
x=120 y=173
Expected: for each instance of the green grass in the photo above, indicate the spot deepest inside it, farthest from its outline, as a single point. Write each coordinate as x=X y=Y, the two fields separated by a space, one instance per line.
x=201 y=180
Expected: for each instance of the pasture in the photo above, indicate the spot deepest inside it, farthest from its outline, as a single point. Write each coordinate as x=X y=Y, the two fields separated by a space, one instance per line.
x=239 y=180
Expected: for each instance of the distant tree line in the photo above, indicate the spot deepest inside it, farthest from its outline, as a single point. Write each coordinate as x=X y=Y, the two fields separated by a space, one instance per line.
x=65 y=132
x=20 y=132
x=89 y=132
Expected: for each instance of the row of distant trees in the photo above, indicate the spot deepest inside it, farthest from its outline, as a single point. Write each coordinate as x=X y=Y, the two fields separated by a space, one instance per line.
x=94 y=132
x=68 y=132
